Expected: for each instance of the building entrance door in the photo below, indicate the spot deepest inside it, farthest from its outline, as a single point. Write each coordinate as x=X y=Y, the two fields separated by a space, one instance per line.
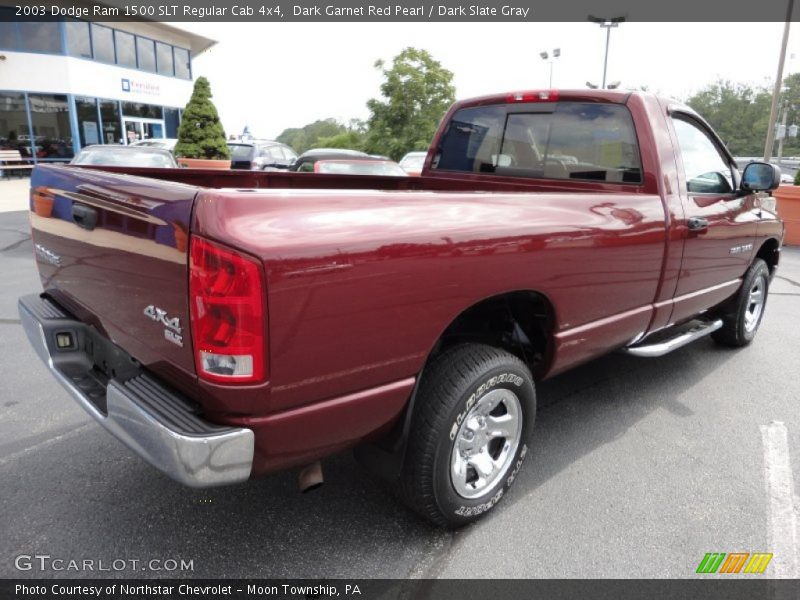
x=137 y=129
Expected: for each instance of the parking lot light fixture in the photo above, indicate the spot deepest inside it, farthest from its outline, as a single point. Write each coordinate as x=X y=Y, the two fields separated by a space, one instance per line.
x=606 y=24
x=552 y=57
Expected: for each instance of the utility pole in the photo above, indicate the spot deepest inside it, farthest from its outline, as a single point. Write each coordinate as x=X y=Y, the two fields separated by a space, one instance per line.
x=776 y=90
x=607 y=24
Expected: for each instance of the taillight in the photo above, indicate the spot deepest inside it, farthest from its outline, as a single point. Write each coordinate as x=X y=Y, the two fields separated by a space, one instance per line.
x=534 y=96
x=226 y=304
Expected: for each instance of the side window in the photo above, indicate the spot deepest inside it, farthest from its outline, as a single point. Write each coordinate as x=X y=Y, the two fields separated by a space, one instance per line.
x=707 y=170
x=571 y=140
x=472 y=140
x=276 y=153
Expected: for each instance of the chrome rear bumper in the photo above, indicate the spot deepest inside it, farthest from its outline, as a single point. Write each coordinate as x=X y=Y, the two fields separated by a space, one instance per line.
x=154 y=421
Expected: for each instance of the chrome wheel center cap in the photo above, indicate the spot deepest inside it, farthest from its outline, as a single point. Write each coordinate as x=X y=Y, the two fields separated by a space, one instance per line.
x=486 y=443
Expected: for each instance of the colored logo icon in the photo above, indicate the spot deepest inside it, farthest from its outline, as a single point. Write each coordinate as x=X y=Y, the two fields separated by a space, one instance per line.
x=735 y=562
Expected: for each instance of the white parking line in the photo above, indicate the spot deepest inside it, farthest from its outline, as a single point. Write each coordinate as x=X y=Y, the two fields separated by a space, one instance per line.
x=48 y=442
x=780 y=496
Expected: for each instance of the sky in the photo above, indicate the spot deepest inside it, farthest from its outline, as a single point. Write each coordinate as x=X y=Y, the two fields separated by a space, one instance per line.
x=270 y=76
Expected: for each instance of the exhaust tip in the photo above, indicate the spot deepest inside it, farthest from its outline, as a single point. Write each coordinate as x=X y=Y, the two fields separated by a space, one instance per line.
x=310 y=477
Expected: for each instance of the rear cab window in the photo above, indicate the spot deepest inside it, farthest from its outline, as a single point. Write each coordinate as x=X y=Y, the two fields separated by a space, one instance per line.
x=240 y=151
x=553 y=140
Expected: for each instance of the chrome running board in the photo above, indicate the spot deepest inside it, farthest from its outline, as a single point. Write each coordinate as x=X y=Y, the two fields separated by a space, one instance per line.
x=679 y=341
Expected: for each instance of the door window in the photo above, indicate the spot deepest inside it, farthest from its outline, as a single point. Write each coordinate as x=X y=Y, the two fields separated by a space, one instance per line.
x=706 y=167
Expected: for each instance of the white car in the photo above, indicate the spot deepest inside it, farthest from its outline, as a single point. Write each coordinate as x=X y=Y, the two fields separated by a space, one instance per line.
x=165 y=143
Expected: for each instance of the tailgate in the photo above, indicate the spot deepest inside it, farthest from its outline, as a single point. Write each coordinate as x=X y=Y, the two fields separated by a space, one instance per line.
x=112 y=249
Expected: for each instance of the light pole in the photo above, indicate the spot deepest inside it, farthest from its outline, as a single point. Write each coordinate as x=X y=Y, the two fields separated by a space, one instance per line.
x=606 y=24
x=611 y=86
x=545 y=55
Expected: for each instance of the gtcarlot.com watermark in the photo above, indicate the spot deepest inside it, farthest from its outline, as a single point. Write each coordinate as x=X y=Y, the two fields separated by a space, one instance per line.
x=48 y=563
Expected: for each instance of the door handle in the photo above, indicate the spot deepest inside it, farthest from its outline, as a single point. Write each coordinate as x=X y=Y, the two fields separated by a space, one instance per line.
x=697 y=223
x=84 y=216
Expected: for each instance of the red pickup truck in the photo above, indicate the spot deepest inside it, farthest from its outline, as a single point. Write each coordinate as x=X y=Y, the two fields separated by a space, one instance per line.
x=228 y=324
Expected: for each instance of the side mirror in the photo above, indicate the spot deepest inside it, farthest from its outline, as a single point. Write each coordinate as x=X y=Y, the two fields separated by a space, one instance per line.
x=761 y=177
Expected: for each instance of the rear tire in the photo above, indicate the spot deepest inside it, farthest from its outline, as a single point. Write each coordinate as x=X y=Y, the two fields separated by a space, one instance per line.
x=473 y=416
x=741 y=324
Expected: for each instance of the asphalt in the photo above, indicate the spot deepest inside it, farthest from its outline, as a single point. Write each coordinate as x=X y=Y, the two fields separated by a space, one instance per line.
x=639 y=467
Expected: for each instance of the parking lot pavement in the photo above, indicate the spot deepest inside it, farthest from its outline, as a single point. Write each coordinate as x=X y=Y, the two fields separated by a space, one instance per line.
x=639 y=467
x=14 y=193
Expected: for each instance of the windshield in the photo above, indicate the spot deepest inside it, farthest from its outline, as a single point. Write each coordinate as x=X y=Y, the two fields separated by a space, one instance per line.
x=413 y=162
x=114 y=157
x=359 y=167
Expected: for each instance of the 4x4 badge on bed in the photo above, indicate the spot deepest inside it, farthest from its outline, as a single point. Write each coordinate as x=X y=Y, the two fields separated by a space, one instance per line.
x=173 y=325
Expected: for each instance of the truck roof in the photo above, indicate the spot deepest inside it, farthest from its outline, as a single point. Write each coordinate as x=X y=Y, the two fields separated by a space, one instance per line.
x=611 y=96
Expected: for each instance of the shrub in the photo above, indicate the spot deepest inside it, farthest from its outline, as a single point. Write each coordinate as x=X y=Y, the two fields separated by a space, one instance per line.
x=201 y=134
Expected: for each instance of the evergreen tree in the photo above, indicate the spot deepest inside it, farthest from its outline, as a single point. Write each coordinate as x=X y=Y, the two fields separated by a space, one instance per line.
x=200 y=134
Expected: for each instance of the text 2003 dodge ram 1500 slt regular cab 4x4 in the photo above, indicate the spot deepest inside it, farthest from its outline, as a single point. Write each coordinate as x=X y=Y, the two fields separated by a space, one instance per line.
x=225 y=325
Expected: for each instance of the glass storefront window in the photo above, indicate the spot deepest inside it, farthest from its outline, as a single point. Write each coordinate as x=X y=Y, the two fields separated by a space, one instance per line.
x=164 y=59
x=78 y=43
x=83 y=39
x=88 y=128
x=146 y=54
x=126 y=49
x=112 y=129
x=14 y=132
x=182 y=68
x=40 y=37
x=51 y=128
x=171 y=122
x=146 y=111
x=103 y=43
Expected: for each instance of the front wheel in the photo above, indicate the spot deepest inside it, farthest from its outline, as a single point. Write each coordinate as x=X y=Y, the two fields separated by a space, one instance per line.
x=741 y=323
x=473 y=417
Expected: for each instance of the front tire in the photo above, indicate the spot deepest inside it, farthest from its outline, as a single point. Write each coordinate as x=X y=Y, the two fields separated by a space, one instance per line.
x=473 y=417
x=741 y=324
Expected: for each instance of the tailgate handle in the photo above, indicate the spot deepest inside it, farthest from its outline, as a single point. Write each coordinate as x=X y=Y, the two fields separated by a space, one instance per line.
x=84 y=216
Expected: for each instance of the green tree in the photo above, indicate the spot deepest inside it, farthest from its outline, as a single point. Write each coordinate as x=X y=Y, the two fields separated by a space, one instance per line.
x=200 y=134
x=416 y=92
x=738 y=112
x=351 y=140
x=791 y=101
x=307 y=137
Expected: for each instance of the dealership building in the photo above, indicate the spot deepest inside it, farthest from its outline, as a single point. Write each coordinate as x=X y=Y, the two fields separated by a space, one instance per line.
x=65 y=85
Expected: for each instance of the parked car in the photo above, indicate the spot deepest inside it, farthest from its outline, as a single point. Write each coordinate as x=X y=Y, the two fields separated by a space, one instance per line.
x=359 y=167
x=412 y=163
x=411 y=318
x=305 y=162
x=261 y=155
x=114 y=155
x=165 y=143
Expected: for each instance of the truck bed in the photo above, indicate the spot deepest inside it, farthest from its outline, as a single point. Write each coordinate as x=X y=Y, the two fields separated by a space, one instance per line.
x=442 y=181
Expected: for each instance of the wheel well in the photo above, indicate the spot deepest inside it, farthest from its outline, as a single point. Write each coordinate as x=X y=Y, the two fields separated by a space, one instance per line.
x=770 y=253
x=520 y=322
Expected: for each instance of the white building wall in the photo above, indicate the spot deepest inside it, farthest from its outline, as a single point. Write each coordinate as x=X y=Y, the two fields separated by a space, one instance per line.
x=52 y=74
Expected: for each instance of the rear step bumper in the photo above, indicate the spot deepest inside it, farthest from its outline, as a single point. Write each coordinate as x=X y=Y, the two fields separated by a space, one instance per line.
x=155 y=422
